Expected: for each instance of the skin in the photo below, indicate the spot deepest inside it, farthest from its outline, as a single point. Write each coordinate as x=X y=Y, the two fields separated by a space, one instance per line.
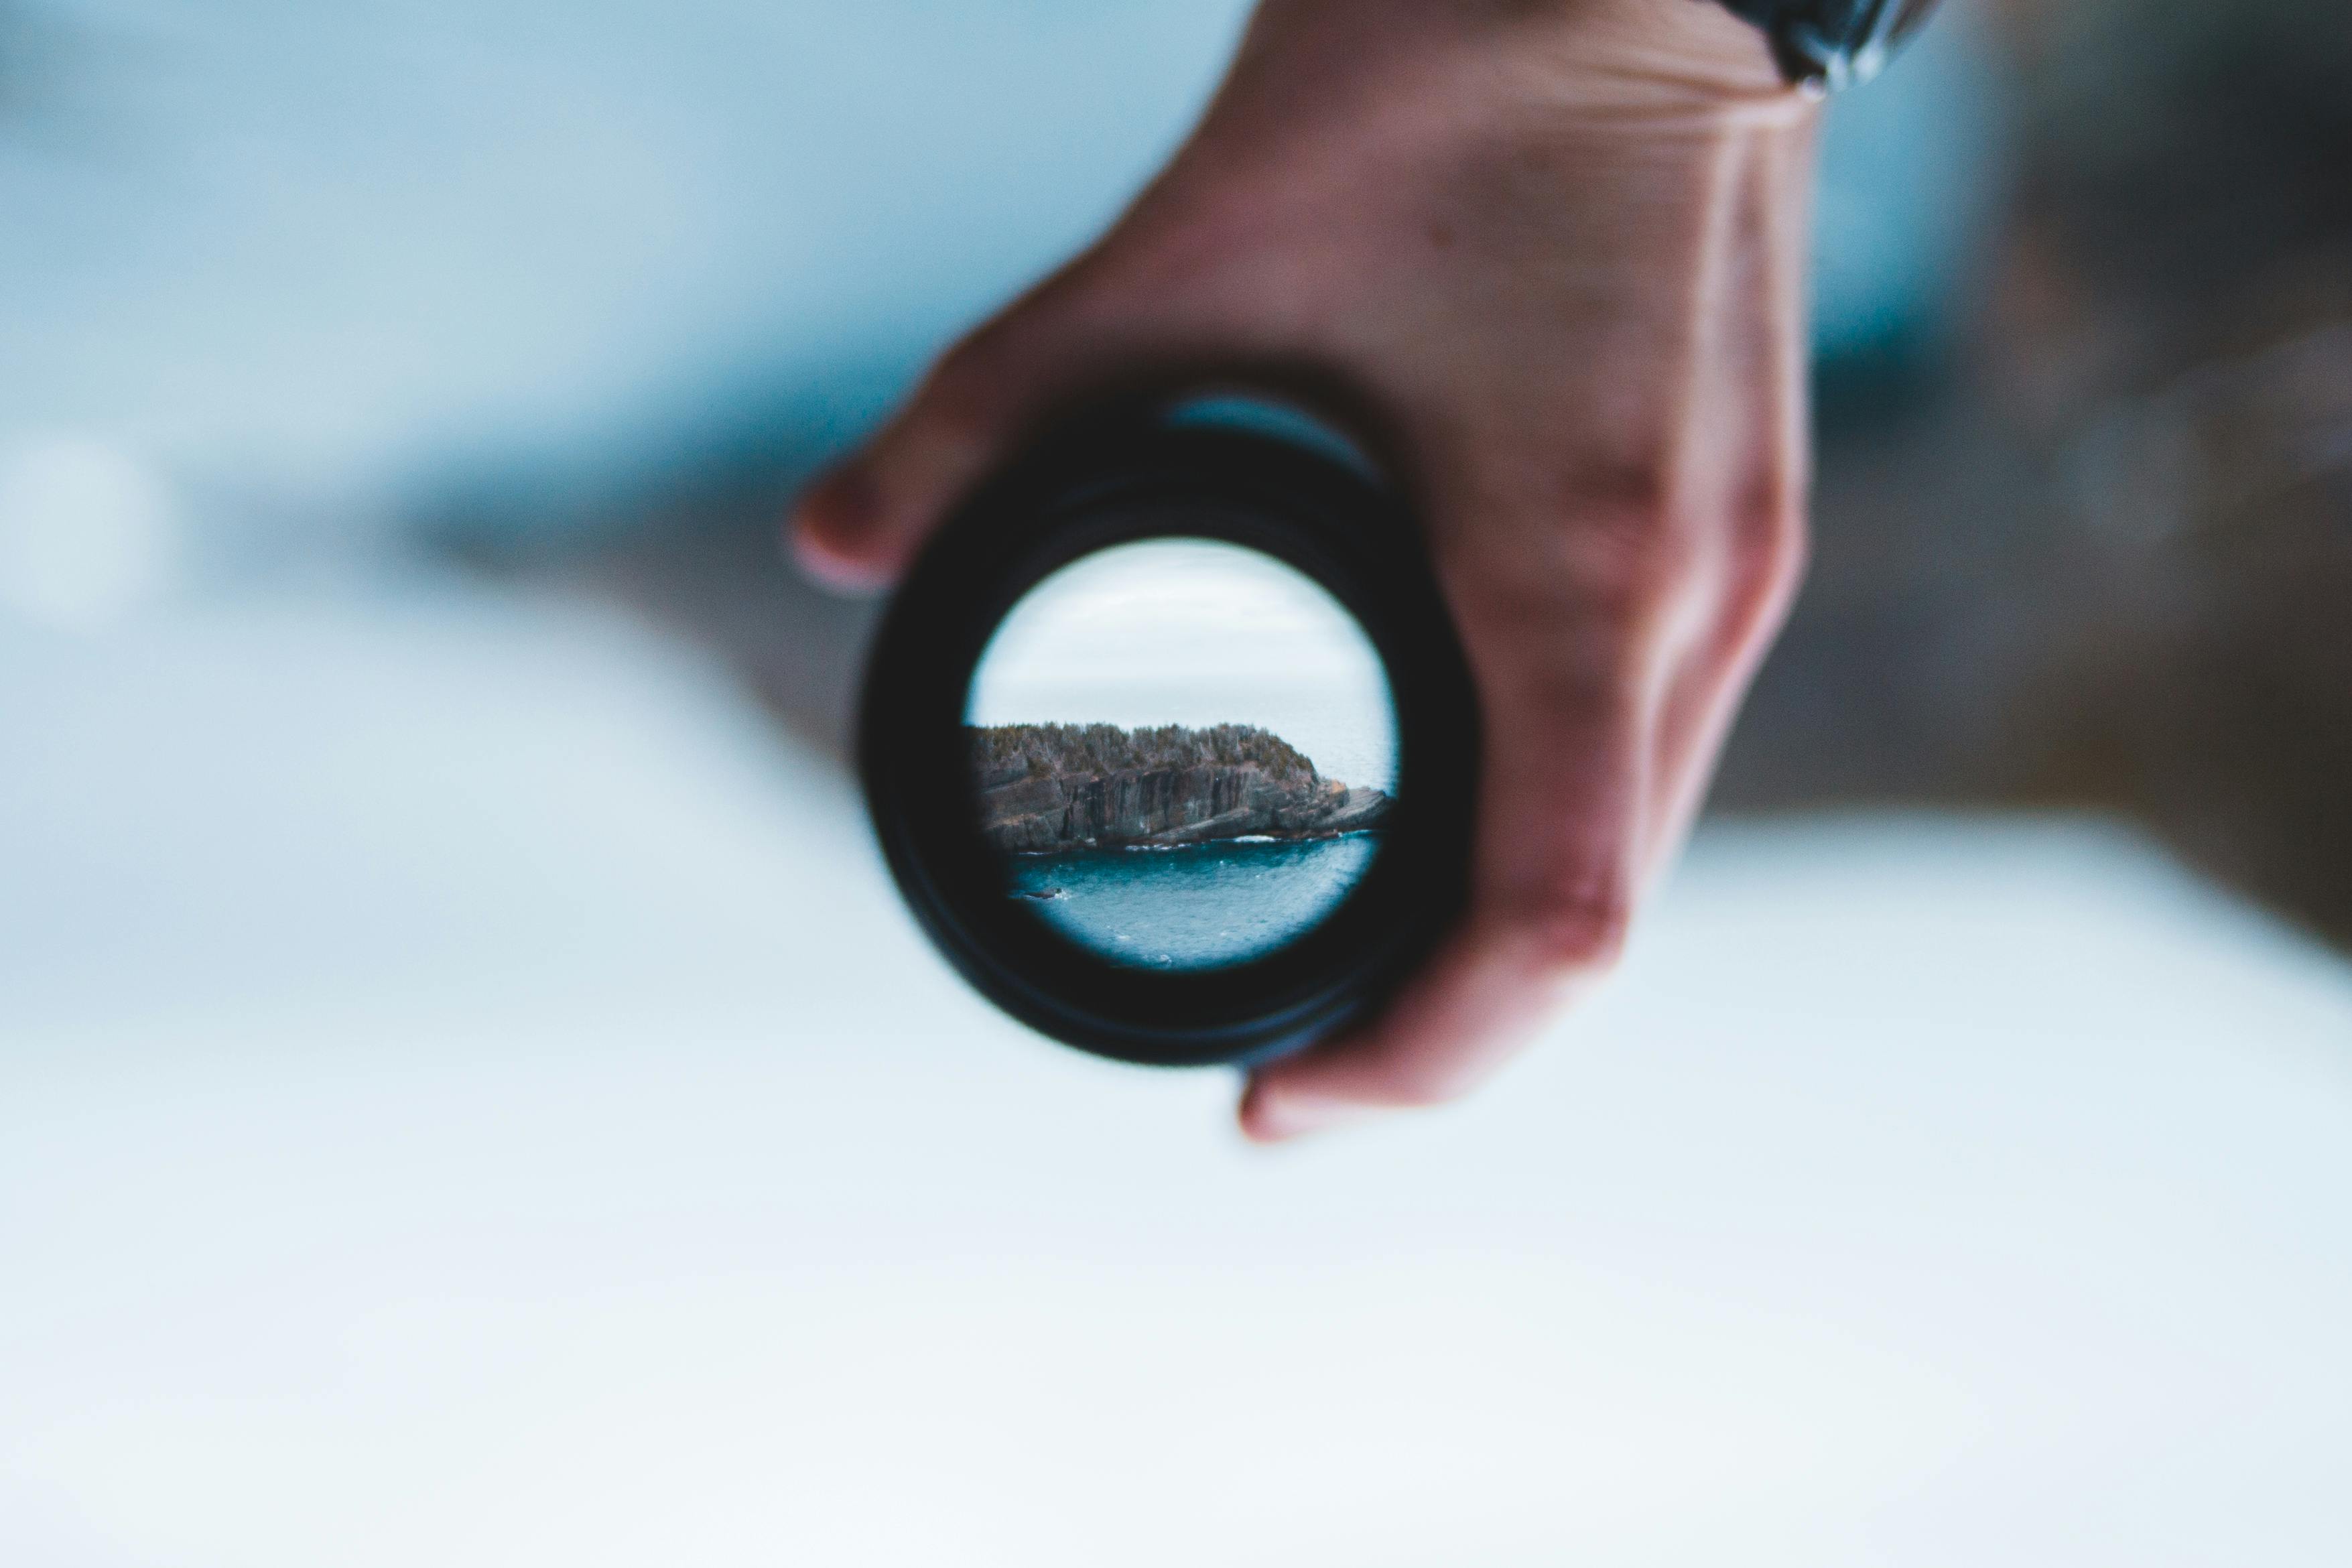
x=1552 y=252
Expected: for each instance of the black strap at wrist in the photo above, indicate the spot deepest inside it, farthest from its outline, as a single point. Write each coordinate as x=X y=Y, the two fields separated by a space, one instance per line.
x=1832 y=44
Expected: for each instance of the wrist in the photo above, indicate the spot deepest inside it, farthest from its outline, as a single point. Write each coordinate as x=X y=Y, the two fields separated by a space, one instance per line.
x=1670 y=56
x=1694 y=54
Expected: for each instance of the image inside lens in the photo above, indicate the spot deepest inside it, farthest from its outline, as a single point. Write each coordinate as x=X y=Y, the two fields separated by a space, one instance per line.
x=1184 y=752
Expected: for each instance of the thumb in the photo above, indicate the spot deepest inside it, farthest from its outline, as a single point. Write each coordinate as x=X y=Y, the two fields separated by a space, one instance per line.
x=859 y=525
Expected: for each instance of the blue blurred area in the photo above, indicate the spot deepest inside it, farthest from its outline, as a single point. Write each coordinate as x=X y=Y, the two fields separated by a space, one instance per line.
x=338 y=248
x=1912 y=173
x=299 y=264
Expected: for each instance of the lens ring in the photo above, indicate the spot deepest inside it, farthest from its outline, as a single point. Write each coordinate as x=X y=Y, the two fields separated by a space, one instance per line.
x=1119 y=481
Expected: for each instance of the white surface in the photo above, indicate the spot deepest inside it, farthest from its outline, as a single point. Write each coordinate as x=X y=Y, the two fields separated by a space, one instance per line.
x=467 y=1097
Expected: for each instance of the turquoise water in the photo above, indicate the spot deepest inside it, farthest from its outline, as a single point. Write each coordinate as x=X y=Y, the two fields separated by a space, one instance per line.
x=1199 y=908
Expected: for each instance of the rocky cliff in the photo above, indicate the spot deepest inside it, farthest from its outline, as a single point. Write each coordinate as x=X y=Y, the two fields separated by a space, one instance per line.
x=1054 y=788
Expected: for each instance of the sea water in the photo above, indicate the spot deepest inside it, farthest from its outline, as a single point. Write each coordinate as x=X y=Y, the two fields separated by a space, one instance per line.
x=1199 y=907
x=1210 y=905
x=1198 y=633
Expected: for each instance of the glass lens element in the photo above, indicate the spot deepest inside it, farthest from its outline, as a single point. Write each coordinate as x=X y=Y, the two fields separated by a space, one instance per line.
x=1184 y=752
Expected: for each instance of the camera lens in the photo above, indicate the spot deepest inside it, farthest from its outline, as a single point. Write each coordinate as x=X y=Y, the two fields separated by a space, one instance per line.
x=1185 y=751
x=1168 y=738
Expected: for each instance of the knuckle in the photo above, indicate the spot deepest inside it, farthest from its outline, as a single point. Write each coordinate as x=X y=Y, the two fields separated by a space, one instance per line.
x=1767 y=525
x=1635 y=534
x=962 y=391
x=1625 y=558
x=1578 y=930
x=1635 y=488
x=1675 y=561
x=1632 y=535
x=1737 y=563
x=1769 y=547
x=995 y=367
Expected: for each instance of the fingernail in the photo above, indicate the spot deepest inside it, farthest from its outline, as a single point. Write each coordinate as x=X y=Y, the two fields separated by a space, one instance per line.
x=834 y=526
x=1273 y=1115
x=841 y=508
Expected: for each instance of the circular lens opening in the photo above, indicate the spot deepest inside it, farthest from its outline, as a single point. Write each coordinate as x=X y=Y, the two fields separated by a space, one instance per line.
x=1182 y=752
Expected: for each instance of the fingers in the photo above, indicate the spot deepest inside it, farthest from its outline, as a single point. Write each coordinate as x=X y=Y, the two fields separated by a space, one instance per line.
x=1759 y=576
x=858 y=527
x=1469 y=1011
x=1557 y=867
x=1607 y=698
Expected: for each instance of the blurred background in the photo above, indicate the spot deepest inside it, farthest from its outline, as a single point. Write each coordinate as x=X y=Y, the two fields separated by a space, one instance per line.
x=467 y=1093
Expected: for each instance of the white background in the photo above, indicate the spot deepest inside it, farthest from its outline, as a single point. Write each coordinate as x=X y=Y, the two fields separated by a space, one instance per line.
x=468 y=1096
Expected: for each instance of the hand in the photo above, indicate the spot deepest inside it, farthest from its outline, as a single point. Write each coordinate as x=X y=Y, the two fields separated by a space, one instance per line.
x=1557 y=248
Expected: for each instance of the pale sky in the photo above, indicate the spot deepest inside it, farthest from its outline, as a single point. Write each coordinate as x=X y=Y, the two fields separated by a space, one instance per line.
x=1163 y=608
x=1191 y=631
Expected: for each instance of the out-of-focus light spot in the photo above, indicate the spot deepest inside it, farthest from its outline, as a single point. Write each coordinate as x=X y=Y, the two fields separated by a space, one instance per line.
x=88 y=532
